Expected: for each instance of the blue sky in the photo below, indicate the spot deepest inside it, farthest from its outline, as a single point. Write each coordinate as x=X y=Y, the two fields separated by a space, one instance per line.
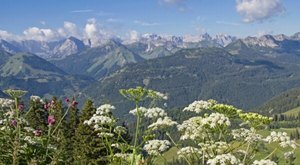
x=122 y=17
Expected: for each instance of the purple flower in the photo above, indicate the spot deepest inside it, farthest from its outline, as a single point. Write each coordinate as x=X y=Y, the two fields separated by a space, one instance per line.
x=46 y=106
x=13 y=122
x=51 y=120
x=67 y=100
x=37 y=132
x=21 y=107
x=74 y=103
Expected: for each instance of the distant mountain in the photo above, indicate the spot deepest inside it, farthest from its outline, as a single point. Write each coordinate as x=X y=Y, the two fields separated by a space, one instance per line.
x=68 y=47
x=281 y=103
x=99 y=61
x=149 y=51
x=204 y=73
x=8 y=47
x=30 y=72
x=224 y=40
x=4 y=56
x=49 y=50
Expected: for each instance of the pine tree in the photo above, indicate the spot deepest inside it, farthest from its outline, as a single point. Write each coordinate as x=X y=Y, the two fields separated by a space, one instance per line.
x=88 y=147
x=37 y=116
x=70 y=127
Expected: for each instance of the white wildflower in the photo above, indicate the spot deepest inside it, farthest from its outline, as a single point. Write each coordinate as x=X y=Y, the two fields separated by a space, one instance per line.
x=215 y=119
x=162 y=123
x=161 y=95
x=101 y=120
x=6 y=103
x=281 y=137
x=156 y=147
x=122 y=156
x=28 y=129
x=105 y=109
x=105 y=134
x=211 y=148
x=198 y=106
x=192 y=129
x=264 y=162
x=37 y=99
x=188 y=152
x=142 y=110
x=246 y=135
x=155 y=113
x=29 y=140
x=120 y=130
x=223 y=160
x=288 y=155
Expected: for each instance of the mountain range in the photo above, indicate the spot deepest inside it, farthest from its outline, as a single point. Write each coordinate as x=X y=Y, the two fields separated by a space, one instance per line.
x=245 y=72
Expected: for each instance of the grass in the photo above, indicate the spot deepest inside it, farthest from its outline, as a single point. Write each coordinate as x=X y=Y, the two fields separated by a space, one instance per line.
x=294 y=112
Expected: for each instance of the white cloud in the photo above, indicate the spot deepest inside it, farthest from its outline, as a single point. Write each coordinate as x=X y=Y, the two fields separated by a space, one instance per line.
x=43 y=22
x=259 y=10
x=263 y=32
x=35 y=33
x=82 y=11
x=113 y=20
x=7 y=36
x=91 y=28
x=95 y=33
x=71 y=29
x=144 y=23
x=131 y=37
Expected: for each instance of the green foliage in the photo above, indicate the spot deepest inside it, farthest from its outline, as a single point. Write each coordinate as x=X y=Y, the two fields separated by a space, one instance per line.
x=244 y=80
x=87 y=145
x=281 y=103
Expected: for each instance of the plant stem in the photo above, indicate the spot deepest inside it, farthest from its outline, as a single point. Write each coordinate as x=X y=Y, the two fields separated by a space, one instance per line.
x=270 y=154
x=247 y=150
x=17 y=136
x=61 y=120
x=48 y=140
x=137 y=131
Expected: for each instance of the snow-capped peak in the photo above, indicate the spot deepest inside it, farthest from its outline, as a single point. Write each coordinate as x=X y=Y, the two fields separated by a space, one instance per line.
x=224 y=39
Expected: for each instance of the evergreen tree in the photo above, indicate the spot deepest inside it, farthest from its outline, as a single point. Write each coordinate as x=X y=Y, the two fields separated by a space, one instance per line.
x=70 y=127
x=88 y=147
x=37 y=115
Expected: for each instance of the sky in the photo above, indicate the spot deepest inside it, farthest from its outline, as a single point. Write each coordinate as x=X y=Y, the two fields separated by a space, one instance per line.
x=53 y=19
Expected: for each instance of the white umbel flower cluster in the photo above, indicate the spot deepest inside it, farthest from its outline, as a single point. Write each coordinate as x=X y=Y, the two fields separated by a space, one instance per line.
x=161 y=95
x=210 y=149
x=6 y=103
x=223 y=159
x=162 y=123
x=247 y=135
x=156 y=147
x=105 y=109
x=264 y=162
x=283 y=139
x=37 y=99
x=142 y=111
x=155 y=113
x=198 y=106
x=216 y=119
x=100 y=120
x=29 y=140
x=192 y=129
x=120 y=130
x=122 y=156
x=187 y=152
x=288 y=155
